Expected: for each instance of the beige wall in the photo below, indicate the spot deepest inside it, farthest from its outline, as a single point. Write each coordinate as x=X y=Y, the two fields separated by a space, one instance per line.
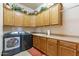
x=70 y=21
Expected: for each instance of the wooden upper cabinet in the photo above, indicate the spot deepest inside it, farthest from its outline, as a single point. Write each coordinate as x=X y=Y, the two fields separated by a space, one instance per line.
x=32 y=20
x=18 y=18
x=55 y=14
x=38 y=20
x=45 y=16
x=27 y=20
x=7 y=16
x=41 y=18
x=52 y=16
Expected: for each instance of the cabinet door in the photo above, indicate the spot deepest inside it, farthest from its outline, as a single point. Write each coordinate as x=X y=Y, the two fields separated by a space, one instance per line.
x=39 y=21
x=65 y=51
x=38 y=43
x=8 y=17
x=51 y=47
x=77 y=53
x=45 y=17
x=43 y=44
x=78 y=49
x=18 y=18
x=34 y=41
x=32 y=20
x=52 y=50
x=27 y=20
x=41 y=18
x=55 y=14
x=68 y=44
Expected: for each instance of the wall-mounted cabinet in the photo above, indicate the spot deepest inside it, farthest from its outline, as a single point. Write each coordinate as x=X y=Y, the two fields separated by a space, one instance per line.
x=32 y=20
x=46 y=18
x=42 y=19
x=27 y=21
x=12 y=18
x=18 y=18
x=56 y=15
x=15 y=18
x=39 y=20
x=51 y=16
x=8 y=17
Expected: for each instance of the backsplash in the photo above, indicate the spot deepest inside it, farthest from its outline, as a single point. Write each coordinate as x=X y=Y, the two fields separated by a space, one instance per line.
x=10 y=28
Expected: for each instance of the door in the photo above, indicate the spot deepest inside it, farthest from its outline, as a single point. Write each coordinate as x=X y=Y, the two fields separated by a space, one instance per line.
x=11 y=43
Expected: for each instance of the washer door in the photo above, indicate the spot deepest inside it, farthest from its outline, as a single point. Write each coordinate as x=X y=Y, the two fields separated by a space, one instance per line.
x=12 y=43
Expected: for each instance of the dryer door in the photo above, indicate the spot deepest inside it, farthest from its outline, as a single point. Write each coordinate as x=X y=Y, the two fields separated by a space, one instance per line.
x=11 y=43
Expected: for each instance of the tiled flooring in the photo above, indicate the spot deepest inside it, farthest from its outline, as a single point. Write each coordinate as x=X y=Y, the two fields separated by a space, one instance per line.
x=24 y=53
x=30 y=52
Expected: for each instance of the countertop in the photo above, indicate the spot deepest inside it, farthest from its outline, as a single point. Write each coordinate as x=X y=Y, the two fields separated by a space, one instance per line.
x=58 y=37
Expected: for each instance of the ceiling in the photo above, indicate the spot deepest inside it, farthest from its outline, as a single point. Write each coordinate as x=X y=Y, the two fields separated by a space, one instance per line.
x=32 y=5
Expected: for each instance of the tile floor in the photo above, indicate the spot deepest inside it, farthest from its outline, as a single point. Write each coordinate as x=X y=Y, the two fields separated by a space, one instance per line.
x=24 y=53
x=30 y=52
